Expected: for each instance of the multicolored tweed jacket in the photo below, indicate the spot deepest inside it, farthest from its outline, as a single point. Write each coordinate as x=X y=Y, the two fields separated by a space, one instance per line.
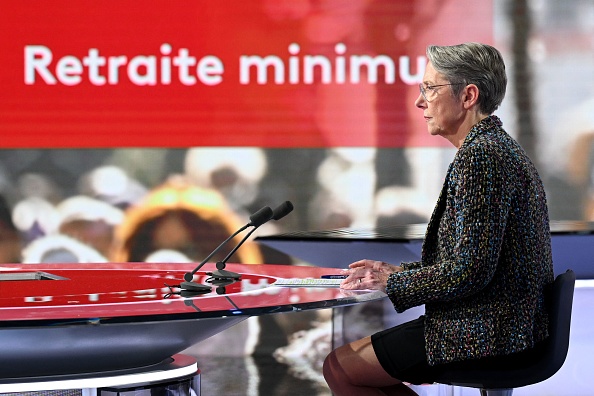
x=486 y=256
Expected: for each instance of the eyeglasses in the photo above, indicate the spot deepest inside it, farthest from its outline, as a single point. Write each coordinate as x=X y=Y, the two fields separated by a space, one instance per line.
x=431 y=88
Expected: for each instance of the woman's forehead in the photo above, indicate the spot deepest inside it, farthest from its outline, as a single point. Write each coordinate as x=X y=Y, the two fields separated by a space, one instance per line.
x=431 y=75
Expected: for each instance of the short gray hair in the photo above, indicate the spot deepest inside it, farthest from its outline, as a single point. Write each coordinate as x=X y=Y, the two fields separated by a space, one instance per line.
x=472 y=63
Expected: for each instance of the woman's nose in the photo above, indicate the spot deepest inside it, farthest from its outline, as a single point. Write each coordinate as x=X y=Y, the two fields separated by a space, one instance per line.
x=420 y=102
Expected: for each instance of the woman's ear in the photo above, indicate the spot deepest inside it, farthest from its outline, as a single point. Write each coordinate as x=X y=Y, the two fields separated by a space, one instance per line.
x=470 y=96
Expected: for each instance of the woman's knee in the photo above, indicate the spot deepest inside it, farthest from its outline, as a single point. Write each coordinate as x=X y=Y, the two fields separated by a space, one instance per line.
x=333 y=371
x=329 y=366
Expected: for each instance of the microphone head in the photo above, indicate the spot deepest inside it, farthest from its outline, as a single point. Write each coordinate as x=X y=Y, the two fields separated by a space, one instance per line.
x=282 y=210
x=261 y=217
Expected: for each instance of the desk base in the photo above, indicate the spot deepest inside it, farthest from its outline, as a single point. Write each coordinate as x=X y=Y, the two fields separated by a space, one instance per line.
x=179 y=375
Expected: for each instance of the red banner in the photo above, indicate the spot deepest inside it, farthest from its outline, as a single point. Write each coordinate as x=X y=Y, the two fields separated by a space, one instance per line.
x=267 y=73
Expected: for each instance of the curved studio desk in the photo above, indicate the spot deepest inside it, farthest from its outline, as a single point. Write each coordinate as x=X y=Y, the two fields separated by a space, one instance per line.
x=61 y=323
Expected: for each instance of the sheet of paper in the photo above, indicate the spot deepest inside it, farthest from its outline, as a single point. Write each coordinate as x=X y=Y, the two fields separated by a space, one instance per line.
x=307 y=282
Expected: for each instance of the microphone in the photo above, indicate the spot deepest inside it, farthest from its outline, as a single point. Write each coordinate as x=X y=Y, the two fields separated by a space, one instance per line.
x=256 y=220
x=282 y=210
x=278 y=213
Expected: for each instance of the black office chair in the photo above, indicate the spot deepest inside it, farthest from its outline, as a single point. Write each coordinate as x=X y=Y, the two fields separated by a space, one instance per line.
x=502 y=381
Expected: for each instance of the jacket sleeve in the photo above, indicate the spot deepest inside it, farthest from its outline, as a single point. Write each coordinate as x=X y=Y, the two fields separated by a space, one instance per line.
x=469 y=236
x=411 y=265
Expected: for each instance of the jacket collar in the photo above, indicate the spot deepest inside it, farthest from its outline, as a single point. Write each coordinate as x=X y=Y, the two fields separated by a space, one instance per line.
x=486 y=124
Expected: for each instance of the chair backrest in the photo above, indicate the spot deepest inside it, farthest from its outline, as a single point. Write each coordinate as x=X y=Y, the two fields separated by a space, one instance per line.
x=560 y=305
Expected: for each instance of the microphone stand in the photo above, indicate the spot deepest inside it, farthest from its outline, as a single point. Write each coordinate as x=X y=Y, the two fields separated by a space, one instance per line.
x=188 y=276
x=278 y=213
x=220 y=272
x=257 y=219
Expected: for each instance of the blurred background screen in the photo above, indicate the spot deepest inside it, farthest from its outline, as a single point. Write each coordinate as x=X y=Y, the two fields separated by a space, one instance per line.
x=132 y=128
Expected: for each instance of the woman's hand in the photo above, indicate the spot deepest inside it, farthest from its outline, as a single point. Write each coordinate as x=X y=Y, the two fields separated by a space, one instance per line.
x=368 y=274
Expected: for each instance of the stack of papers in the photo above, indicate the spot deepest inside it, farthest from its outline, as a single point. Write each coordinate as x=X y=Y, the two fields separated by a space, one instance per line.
x=308 y=282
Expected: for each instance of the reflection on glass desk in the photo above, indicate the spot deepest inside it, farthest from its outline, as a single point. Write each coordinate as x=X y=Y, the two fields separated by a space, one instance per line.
x=572 y=241
x=75 y=318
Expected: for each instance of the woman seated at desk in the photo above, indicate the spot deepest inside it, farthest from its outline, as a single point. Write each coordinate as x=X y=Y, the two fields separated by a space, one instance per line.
x=486 y=257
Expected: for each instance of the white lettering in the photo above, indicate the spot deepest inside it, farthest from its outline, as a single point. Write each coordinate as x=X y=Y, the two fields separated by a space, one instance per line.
x=183 y=61
x=404 y=70
x=309 y=64
x=113 y=68
x=140 y=63
x=152 y=69
x=68 y=70
x=37 y=59
x=294 y=63
x=261 y=64
x=311 y=69
x=93 y=61
x=166 y=64
x=210 y=70
x=340 y=71
x=357 y=61
x=141 y=70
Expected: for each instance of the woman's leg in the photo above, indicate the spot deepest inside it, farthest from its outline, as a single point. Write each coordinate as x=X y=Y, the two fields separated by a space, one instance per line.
x=353 y=369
